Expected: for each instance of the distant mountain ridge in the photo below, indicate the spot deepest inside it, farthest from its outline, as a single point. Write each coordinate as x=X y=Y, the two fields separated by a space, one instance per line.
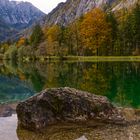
x=17 y=16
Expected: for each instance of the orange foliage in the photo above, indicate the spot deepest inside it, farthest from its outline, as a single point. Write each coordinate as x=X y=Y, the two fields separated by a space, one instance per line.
x=21 y=42
x=21 y=76
x=94 y=30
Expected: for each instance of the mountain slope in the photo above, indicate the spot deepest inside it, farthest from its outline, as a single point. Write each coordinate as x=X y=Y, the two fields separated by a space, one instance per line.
x=17 y=16
x=124 y=3
x=67 y=12
x=6 y=30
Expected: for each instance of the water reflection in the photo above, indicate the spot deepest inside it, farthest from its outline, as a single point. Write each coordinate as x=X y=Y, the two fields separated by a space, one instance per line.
x=13 y=85
x=119 y=81
x=12 y=89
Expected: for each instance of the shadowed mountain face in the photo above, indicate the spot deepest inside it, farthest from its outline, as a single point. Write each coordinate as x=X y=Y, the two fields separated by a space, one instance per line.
x=16 y=16
x=6 y=30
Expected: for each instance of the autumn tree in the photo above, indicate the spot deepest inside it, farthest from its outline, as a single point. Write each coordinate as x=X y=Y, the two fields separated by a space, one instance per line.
x=51 y=35
x=21 y=42
x=95 y=31
x=55 y=36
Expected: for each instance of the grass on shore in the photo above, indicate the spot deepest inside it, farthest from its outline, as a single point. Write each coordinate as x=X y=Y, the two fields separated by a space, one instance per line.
x=95 y=58
x=84 y=58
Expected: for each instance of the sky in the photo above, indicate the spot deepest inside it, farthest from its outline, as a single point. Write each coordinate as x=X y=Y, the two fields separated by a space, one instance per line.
x=44 y=5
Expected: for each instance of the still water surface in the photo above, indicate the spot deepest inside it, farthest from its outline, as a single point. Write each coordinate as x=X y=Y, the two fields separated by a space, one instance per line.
x=119 y=81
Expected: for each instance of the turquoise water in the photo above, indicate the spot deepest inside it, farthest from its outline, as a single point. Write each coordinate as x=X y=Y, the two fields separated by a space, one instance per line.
x=12 y=89
x=119 y=81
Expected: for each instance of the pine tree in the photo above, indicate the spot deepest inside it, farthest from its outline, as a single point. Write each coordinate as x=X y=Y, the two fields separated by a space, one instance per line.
x=113 y=24
x=37 y=36
x=136 y=24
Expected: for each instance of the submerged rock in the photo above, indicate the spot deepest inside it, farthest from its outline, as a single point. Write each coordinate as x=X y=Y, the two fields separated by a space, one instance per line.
x=82 y=138
x=65 y=105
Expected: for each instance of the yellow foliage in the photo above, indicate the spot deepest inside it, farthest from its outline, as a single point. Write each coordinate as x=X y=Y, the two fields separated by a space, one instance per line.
x=52 y=37
x=94 y=30
x=52 y=33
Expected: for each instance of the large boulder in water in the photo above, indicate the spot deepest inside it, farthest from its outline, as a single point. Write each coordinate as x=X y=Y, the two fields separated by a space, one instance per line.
x=65 y=105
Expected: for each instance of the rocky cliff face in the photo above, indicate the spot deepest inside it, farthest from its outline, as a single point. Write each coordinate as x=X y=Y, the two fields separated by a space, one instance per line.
x=67 y=12
x=125 y=4
x=16 y=16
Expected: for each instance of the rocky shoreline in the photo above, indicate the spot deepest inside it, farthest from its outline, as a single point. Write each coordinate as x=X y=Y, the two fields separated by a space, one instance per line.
x=93 y=132
x=68 y=105
x=6 y=110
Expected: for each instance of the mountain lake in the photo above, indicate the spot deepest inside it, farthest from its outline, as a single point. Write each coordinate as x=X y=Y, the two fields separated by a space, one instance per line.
x=119 y=81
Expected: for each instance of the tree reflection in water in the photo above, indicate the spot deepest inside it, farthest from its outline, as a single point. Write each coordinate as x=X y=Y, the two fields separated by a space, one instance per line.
x=119 y=81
